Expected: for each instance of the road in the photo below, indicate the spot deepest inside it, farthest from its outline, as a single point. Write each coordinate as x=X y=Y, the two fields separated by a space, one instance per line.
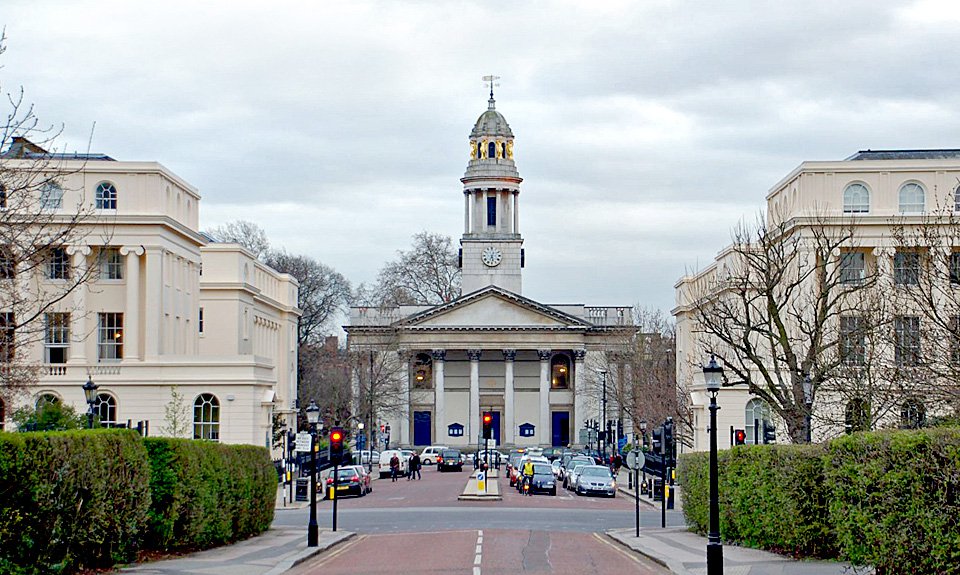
x=421 y=527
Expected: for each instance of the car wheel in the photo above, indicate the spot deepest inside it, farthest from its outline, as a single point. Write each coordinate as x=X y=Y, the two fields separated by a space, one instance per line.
x=579 y=493
x=427 y=462
x=554 y=492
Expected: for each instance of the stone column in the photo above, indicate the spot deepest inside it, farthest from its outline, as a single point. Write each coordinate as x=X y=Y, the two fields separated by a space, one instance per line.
x=78 y=319
x=473 y=432
x=405 y=422
x=579 y=394
x=439 y=423
x=516 y=212
x=153 y=304
x=131 y=319
x=509 y=419
x=466 y=212
x=543 y=430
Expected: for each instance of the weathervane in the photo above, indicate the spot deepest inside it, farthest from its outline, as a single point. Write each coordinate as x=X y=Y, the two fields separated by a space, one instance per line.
x=491 y=80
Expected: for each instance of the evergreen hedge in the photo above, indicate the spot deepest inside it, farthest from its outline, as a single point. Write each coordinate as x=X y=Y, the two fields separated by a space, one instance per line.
x=887 y=499
x=71 y=499
x=207 y=494
x=90 y=499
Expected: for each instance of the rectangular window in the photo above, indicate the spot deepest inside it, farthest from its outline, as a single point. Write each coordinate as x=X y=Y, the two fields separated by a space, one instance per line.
x=51 y=196
x=8 y=267
x=906 y=268
x=491 y=211
x=58 y=266
x=8 y=327
x=200 y=321
x=955 y=268
x=852 y=268
x=110 y=336
x=111 y=264
x=3 y=198
x=56 y=340
x=906 y=340
x=852 y=341
x=954 y=336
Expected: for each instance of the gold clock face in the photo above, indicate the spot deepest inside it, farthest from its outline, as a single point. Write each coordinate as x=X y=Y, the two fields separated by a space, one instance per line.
x=491 y=256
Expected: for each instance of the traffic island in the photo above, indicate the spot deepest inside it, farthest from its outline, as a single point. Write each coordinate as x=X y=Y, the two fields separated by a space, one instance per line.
x=481 y=487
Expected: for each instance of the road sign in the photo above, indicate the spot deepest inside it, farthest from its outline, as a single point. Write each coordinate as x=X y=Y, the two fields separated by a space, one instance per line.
x=481 y=482
x=635 y=460
x=303 y=442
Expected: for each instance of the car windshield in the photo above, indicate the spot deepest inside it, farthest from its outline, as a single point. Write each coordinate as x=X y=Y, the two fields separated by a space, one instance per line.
x=578 y=468
x=542 y=469
x=596 y=472
x=579 y=461
x=451 y=454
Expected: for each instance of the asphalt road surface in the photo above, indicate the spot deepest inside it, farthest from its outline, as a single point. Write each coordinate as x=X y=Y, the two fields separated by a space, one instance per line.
x=421 y=527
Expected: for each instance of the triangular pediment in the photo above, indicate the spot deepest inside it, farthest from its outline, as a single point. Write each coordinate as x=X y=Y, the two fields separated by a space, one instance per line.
x=494 y=307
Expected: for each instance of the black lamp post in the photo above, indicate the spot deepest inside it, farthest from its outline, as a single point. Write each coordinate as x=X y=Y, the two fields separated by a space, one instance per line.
x=90 y=393
x=313 y=417
x=713 y=376
x=603 y=417
x=808 y=400
x=643 y=443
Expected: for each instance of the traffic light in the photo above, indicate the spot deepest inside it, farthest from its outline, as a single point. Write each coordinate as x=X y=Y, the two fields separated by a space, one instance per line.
x=658 y=440
x=668 y=440
x=487 y=425
x=336 y=444
x=769 y=433
x=739 y=437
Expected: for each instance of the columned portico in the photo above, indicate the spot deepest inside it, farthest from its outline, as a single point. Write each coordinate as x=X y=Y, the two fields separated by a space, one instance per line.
x=79 y=255
x=474 y=429
x=544 y=428
x=439 y=425
x=131 y=329
x=509 y=419
x=579 y=393
x=405 y=408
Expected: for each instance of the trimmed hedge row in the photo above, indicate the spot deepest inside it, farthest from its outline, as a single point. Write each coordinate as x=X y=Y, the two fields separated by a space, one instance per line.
x=887 y=499
x=207 y=494
x=91 y=499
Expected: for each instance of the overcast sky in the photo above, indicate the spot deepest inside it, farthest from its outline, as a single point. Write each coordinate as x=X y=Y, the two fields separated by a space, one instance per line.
x=644 y=130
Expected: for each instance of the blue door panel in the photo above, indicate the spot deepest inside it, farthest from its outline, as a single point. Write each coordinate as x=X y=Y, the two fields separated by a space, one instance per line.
x=422 y=428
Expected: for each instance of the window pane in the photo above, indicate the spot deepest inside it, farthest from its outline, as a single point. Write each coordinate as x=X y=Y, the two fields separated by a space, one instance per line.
x=491 y=211
x=911 y=198
x=856 y=199
x=906 y=268
x=58 y=266
x=106 y=196
x=110 y=336
x=852 y=268
x=111 y=264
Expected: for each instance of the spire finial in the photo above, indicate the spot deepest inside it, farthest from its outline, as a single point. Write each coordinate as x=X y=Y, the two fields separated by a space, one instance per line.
x=491 y=79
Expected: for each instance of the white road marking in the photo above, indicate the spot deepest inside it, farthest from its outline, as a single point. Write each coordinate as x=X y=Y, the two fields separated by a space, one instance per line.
x=476 y=571
x=479 y=548
x=479 y=553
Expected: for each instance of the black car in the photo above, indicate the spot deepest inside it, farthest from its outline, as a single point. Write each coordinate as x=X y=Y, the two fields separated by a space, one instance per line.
x=543 y=479
x=450 y=459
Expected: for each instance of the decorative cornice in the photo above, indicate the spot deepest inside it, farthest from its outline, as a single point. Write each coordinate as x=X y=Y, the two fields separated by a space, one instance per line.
x=439 y=354
x=474 y=354
x=544 y=354
x=579 y=354
x=509 y=354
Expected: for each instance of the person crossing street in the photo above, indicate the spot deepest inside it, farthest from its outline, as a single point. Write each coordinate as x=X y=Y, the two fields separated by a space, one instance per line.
x=414 y=467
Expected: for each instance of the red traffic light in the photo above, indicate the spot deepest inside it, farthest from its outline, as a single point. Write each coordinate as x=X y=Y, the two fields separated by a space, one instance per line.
x=487 y=418
x=740 y=437
x=336 y=436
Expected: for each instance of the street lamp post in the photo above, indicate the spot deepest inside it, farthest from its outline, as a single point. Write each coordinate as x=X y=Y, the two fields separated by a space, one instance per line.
x=808 y=400
x=713 y=376
x=603 y=415
x=90 y=393
x=313 y=417
x=643 y=443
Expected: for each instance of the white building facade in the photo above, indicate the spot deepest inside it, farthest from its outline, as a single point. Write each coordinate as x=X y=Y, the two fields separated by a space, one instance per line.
x=875 y=193
x=164 y=310
x=492 y=349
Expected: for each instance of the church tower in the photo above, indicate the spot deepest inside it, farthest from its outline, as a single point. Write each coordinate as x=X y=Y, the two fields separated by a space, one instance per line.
x=491 y=247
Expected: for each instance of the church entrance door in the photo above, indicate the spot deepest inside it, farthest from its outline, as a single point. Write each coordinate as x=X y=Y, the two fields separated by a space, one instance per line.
x=421 y=428
x=561 y=428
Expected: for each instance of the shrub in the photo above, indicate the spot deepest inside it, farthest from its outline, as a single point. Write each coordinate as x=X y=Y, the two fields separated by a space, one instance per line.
x=896 y=499
x=70 y=500
x=206 y=494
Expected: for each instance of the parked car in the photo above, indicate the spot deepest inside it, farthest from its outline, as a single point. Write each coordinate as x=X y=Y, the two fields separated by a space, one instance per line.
x=570 y=481
x=386 y=456
x=429 y=454
x=450 y=459
x=596 y=479
x=351 y=480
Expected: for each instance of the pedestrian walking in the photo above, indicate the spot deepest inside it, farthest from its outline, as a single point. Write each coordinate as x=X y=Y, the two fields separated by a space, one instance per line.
x=394 y=467
x=414 y=466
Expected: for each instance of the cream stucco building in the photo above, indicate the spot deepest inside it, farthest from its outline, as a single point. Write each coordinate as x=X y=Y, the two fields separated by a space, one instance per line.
x=165 y=309
x=492 y=349
x=873 y=192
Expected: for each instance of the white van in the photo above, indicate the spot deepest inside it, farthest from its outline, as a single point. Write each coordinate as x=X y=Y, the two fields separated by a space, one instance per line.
x=386 y=456
x=429 y=455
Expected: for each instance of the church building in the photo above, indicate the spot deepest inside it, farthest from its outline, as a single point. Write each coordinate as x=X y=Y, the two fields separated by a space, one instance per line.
x=533 y=366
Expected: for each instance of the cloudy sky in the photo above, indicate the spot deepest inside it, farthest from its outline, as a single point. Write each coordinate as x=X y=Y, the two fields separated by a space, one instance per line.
x=644 y=130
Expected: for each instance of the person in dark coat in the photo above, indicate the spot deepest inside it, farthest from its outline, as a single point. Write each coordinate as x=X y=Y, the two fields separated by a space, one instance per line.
x=414 y=466
x=394 y=467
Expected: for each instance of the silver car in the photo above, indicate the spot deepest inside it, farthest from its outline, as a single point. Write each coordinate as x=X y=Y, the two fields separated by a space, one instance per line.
x=596 y=479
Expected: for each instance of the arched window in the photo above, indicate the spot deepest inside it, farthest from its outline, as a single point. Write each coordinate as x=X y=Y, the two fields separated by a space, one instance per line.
x=206 y=417
x=51 y=196
x=857 y=416
x=758 y=411
x=913 y=414
x=106 y=196
x=559 y=371
x=105 y=407
x=492 y=150
x=422 y=376
x=911 y=198
x=45 y=399
x=856 y=199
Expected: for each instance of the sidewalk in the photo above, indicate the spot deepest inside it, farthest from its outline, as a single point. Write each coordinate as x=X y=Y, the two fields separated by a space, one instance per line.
x=623 y=480
x=271 y=553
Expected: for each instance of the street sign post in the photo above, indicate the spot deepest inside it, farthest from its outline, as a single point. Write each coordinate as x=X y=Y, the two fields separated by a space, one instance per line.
x=481 y=482
x=635 y=461
x=303 y=442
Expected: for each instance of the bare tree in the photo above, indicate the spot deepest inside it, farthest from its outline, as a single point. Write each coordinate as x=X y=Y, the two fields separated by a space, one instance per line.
x=325 y=377
x=42 y=220
x=772 y=314
x=323 y=292
x=248 y=234
x=176 y=417
x=427 y=274
x=381 y=383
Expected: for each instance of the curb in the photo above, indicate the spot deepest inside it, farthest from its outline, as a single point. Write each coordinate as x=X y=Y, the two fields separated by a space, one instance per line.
x=324 y=545
x=678 y=569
